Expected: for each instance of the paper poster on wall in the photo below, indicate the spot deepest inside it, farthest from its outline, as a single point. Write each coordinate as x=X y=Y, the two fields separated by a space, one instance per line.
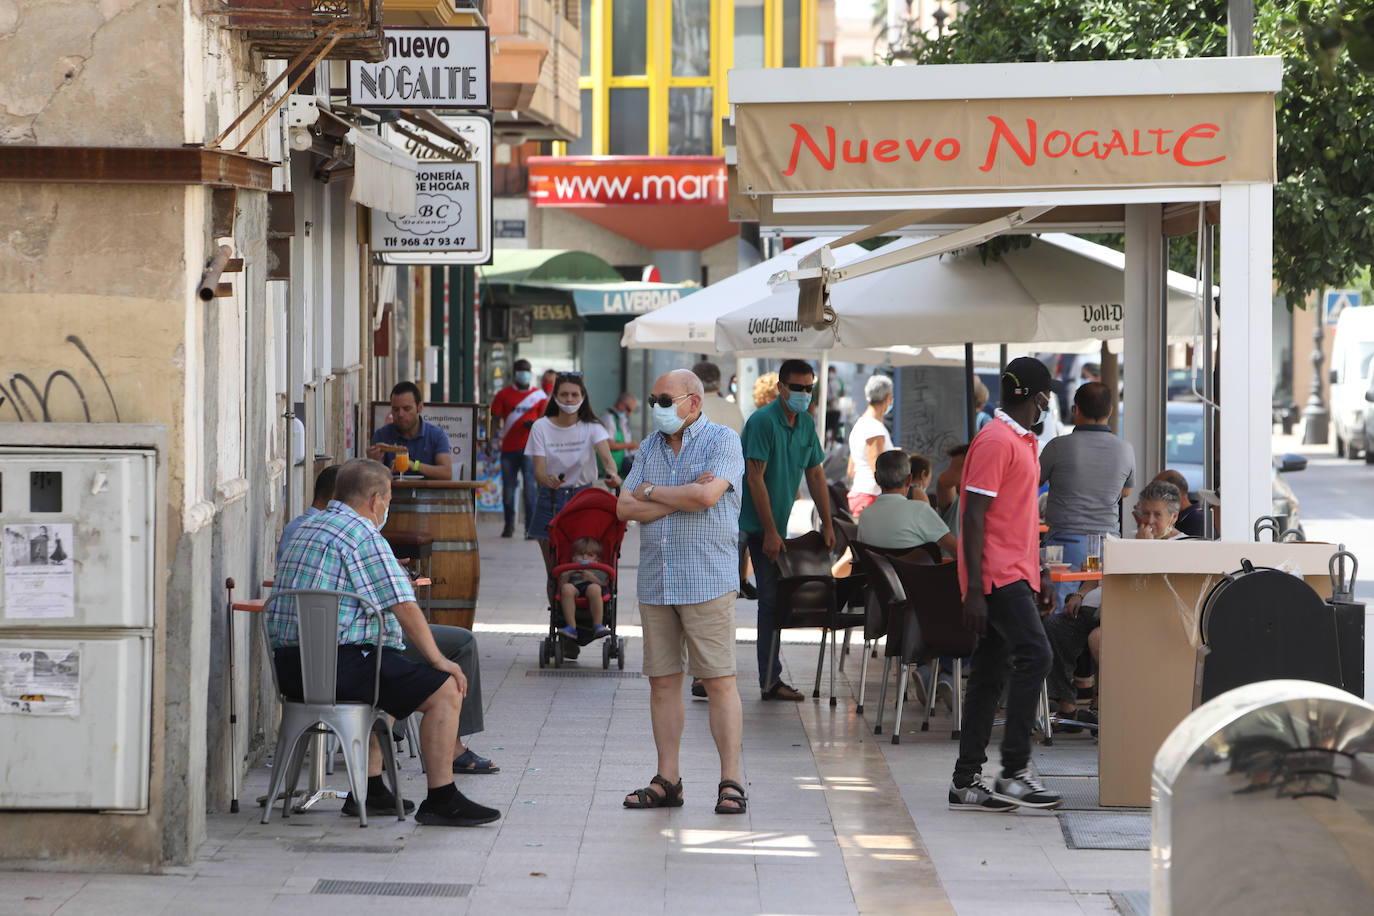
x=39 y=576
x=40 y=682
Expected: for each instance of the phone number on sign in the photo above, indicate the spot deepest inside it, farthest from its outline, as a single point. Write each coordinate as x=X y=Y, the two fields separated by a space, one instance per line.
x=457 y=241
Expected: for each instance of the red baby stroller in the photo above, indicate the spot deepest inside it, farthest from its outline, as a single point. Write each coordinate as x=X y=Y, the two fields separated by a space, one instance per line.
x=590 y=513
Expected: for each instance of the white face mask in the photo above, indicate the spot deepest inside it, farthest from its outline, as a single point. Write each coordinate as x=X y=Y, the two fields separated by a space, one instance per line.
x=570 y=408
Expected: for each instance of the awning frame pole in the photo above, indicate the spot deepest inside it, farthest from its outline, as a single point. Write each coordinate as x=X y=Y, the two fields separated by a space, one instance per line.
x=309 y=53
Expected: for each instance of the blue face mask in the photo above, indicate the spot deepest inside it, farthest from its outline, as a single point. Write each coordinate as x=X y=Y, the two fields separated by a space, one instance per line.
x=798 y=402
x=666 y=419
x=522 y=377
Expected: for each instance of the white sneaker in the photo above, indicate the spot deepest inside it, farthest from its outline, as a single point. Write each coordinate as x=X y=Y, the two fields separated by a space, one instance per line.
x=978 y=796
x=1027 y=791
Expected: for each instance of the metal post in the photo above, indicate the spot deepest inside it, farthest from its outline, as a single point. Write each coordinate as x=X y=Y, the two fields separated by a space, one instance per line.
x=1209 y=393
x=969 y=416
x=1316 y=418
x=1240 y=28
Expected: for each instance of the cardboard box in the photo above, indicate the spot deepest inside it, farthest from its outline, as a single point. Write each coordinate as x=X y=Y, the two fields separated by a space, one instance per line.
x=1152 y=595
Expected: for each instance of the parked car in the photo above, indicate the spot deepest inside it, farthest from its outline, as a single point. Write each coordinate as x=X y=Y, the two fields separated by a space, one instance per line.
x=1183 y=440
x=1352 y=355
x=1182 y=383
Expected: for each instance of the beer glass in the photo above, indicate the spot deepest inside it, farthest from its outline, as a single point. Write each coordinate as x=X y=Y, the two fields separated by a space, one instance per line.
x=1092 y=561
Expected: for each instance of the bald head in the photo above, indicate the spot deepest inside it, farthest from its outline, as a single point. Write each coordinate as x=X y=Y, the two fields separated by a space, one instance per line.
x=685 y=390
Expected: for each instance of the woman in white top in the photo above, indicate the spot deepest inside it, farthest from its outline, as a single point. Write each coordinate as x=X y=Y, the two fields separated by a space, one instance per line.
x=868 y=439
x=565 y=445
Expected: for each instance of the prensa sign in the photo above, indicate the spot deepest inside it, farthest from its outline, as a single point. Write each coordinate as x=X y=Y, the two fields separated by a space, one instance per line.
x=426 y=68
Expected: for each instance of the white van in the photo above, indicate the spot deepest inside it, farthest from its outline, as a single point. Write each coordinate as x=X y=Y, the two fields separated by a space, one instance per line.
x=1352 y=352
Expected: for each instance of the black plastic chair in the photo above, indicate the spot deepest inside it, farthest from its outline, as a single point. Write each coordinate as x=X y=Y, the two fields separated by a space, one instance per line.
x=807 y=596
x=938 y=613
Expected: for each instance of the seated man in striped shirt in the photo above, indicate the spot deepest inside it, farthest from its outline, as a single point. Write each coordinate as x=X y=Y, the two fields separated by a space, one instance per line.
x=342 y=549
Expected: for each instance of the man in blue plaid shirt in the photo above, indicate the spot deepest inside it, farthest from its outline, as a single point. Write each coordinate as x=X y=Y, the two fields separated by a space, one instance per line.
x=342 y=549
x=684 y=490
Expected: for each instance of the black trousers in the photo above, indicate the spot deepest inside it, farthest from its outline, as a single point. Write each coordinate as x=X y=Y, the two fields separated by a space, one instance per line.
x=1015 y=642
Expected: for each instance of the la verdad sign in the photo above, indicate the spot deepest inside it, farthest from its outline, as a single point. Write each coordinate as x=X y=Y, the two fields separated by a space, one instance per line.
x=1004 y=143
x=426 y=68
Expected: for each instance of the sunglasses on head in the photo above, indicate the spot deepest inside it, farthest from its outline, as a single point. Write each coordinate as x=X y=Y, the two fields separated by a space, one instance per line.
x=663 y=400
x=798 y=386
x=570 y=375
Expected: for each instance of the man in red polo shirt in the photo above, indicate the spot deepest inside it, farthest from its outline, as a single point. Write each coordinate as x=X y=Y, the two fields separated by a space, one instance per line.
x=999 y=574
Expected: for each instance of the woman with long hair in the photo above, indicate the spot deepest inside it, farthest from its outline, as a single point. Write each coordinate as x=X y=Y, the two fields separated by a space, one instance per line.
x=566 y=445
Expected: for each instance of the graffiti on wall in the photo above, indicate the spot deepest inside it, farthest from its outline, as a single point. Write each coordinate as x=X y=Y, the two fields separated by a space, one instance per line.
x=35 y=403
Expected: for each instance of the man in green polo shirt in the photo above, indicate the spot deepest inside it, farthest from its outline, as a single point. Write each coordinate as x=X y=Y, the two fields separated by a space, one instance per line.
x=779 y=442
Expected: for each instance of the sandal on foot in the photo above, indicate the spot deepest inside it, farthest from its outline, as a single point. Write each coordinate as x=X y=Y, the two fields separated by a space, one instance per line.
x=470 y=762
x=601 y=631
x=648 y=798
x=729 y=802
x=569 y=631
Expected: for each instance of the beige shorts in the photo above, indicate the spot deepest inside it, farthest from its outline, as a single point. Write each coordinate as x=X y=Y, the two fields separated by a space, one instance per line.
x=704 y=633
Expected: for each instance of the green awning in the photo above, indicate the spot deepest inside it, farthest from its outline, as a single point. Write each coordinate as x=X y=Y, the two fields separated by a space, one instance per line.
x=595 y=286
x=541 y=266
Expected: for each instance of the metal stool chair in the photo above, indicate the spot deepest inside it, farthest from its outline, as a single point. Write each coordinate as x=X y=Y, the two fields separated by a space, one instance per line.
x=418 y=548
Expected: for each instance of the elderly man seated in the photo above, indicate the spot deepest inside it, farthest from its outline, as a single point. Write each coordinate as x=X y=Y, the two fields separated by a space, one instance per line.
x=342 y=549
x=894 y=522
x=1079 y=627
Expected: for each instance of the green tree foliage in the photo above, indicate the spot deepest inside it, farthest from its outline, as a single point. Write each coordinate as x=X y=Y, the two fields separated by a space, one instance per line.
x=1324 y=199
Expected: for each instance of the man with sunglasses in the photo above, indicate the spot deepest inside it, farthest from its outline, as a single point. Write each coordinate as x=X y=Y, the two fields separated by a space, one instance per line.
x=999 y=574
x=684 y=490
x=779 y=445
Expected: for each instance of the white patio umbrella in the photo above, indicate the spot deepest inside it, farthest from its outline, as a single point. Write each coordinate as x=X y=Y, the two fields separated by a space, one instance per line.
x=1059 y=290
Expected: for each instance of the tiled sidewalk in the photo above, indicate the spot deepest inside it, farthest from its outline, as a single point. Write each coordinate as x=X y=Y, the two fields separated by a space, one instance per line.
x=838 y=822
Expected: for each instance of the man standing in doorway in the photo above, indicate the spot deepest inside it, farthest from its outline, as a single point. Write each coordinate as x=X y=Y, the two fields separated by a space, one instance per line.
x=999 y=574
x=617 y=423
x=517 y=406
x=684 y=489
x=779 y=442
x=426 y=446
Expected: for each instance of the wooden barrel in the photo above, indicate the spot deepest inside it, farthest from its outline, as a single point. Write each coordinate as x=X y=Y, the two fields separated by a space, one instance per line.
x=447 y=511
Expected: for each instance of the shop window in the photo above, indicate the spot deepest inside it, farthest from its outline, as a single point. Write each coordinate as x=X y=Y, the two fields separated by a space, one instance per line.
x=629 y=122
x=689 y=121
x=585 y=24
x=691 y=37
x=791 y=33
x=629 y=28
x=582 y=146
x=749 y=38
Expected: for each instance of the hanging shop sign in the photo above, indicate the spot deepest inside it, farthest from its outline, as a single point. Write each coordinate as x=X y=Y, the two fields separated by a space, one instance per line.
x=426 y=68
x=452 y=221
x=1004 y=143
x=601 y=181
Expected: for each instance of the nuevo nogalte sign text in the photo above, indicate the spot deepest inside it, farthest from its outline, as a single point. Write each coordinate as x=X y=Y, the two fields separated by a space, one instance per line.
x=425 y=68
x=1006 y=143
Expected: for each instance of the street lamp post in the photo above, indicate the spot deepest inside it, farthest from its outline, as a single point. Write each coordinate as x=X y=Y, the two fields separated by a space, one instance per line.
x=940 y=16
x=1316 y=418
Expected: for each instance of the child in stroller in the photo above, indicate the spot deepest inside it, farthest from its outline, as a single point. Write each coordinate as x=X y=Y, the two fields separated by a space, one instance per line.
x=589 y=515
x=585 y=582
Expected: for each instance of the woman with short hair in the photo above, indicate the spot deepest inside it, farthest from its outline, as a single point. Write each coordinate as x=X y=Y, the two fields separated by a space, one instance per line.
x=869 y=438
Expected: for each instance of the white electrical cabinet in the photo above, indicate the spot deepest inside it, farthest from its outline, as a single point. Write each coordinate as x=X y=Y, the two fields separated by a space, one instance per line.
x=76 y=627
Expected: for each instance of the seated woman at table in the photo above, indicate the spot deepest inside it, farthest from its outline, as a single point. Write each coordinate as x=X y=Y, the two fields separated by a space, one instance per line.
x=1079 y=626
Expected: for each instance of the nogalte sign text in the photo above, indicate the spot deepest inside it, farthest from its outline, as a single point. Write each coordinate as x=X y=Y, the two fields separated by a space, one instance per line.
x=1004 y=143
x=425 y=68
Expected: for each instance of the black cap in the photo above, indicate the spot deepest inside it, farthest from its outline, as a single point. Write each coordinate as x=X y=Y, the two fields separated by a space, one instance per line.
x=1024 y=377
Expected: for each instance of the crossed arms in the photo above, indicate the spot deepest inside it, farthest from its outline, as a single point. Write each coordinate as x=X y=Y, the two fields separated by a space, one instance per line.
x=702 y=493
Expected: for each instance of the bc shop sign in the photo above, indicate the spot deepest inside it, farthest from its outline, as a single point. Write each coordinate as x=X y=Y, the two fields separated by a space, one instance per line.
x=426 y=68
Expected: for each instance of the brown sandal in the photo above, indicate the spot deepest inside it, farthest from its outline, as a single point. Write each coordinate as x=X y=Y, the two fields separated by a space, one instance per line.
x=731 y=804
x=648 y=798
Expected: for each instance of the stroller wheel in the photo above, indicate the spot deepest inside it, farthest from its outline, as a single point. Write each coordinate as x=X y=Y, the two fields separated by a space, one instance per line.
x=605 y=654
x=620 y=653
x=558 y=653
x=543 y=653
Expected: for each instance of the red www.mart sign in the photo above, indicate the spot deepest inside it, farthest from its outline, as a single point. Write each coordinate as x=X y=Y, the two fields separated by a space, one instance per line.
x=626 y=180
